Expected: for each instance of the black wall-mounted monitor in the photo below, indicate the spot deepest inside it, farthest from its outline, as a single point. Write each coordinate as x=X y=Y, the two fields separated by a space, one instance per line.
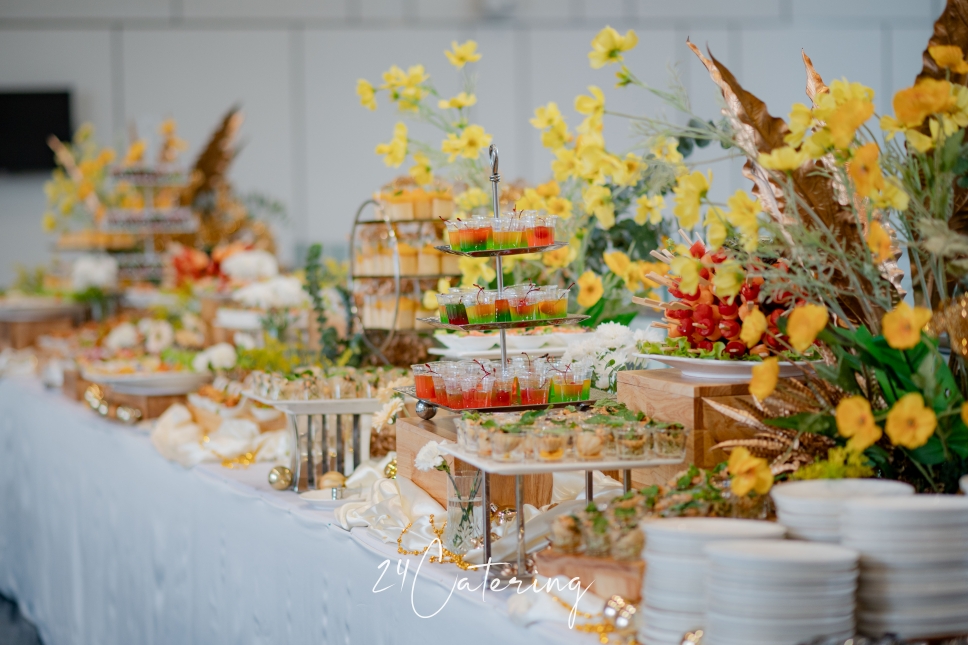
x=27 y=119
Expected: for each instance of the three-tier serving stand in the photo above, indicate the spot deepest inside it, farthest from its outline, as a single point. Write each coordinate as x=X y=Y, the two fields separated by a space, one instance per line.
x=427 y=409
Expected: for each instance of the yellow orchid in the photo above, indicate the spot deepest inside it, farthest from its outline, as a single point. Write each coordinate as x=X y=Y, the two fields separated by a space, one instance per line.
x=902 y=327
x=590 y=289
x=928 y=96
x=556 y=136
x=629 y=170
x=548 y=189
x=715 y=224
x=649 y=209
x=619 y=263
x=395 y=151
x=560 y=258
x=855 y=421
x=909 y=422
x=785 y=159
x=687 y=268
x=608 y=45
x=879 y=242
x=469 y=144
x=844 y=91
x=593 y=106
x=460 y=55
x=667 y=149
x=475 y=271
x=472 y=198
x=421 y=171
x=729 y=279
x=865 y=170
x=800 y=121
x=565 y=165
x=949 y=57
x=597 y=200
x=367 y=94
x=754 y=326
x=765 y=377
x=748 y=473
x=546 y=116
x=530 y=201
x=806 y=321
x=458 y=102
x=689 y=190
x=743 y=216
x=558 y=206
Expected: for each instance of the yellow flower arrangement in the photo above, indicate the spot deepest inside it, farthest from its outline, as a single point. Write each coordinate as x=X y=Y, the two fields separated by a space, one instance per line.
x=765 y=377
x=784 y=159
x=460 y=55
x=689 y=191
x=729 y=279
x=590 y=289
x=855 y=420
x=879 y=242
x=902 y=327
x=459 y=102
x=949 y=57
x=608 y=45
x=754 y=326
x=598 y=201
x=748 y=473
x=468 y=144
x=806 y=321
x=649 y=209
x=686 y=267
x=909 y=422
x=475 y=271
x=531 y=200
x=367 y=93
x=395 y=151
x=421 y=170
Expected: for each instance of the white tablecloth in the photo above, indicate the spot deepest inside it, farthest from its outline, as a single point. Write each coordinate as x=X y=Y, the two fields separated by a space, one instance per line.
x=102 y=541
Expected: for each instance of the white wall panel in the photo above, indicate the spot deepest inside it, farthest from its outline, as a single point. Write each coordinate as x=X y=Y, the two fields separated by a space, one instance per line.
x=278 y=9
x=68 y=9
x=196 y=75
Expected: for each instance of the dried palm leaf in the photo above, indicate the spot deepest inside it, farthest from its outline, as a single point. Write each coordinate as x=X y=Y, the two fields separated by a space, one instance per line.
x=742 y=416
x=815 y=84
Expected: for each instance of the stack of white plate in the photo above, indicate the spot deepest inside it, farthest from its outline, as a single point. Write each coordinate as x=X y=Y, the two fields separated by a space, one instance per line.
x=779 y=592
x=675 y=576
x=914 y=564
x=811 y=509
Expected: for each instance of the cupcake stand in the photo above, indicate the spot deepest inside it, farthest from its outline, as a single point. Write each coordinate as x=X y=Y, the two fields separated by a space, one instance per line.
x=427 y=410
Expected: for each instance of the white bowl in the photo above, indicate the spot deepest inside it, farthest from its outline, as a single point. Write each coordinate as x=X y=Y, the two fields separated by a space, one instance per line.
x=823 y=496
x=467 y=343
x=522 y=342
x=916 y=511
x=688 y=535
x=810 y=521
x=814 y=536
x=781 y=581
x=781 y=556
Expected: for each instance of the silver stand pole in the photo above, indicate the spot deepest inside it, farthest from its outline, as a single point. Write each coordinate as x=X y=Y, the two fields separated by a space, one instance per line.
x=627 y=480
x=496 y=202
x=589 y=493
x=310 y=461
x=522 y=572
x=486 y=500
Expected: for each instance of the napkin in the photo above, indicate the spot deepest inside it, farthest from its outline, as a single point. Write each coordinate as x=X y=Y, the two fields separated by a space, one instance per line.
x=388 y=507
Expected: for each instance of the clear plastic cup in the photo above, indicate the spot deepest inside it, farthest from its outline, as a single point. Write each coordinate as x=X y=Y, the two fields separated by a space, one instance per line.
x=633 y=441
x=551 y=442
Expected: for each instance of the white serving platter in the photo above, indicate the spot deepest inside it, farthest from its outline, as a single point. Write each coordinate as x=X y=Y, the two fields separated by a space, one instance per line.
x=708 y=368
x=150 y=383
x=319 y=406
x=492 y=353
x=535 y=467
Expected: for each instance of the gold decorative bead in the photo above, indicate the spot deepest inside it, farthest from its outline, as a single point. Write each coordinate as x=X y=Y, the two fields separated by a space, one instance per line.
x=280 y=478
x=391 y=469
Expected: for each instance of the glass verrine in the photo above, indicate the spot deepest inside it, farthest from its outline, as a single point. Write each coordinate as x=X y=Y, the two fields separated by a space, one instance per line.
x=423 y=380
x=669 y=440
x=634 y=441
x=551 y=441
x=507 y=443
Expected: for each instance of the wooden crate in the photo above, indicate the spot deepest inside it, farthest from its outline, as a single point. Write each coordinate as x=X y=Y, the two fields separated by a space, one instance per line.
x=668 y=396
x=413 y=433
x=151 y=407
x=604 y=577
x=20 y=334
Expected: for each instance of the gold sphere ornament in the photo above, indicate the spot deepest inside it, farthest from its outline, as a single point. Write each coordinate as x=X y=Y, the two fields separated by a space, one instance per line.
x=280 y=478
x=390 y=470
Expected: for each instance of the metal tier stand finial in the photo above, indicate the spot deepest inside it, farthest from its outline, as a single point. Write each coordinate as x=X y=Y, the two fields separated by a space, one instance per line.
x=496 y=200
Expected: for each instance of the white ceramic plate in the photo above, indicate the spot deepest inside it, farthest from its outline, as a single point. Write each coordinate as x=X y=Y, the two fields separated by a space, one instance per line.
x=913 y=511
x=707 y=368
x=562 y=339
x=818 y=496
x=687 y=536
x=786 y=555
x=467 y=343
x=323 y=498
x=671 y=620
x=151 y=384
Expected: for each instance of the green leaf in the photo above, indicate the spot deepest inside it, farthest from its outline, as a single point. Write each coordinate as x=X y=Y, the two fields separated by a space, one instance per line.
x=814 y=422
x=958 y=438
x=931 y=453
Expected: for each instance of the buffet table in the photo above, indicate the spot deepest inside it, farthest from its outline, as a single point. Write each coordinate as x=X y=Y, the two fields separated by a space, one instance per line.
x=103 y=541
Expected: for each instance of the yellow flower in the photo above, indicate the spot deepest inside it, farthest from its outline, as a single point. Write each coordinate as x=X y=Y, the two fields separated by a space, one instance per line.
x=902 y=327
x=879 y=242
x=421 y=171
x=843 y=92
x=49 y=222
x=558 y=206
x=686 y=267
x=608 y=45
x=949 y=57
x=396 y=78
x=964 y=413
x=594 y=105
x=395 y=151
x=598 y=201
x=565 y=164
x=729 y=279
x=531 y=201
x=364 y=89
x=919 y=141
x=629 y=170
x=638 y=274
x=167 y=127
x=469 y=144
x=715 y=223
x=548 y=189
x=458 y=102
x=800 y=120
x=556 y=136
x=845 y=120
x=928 y=96
x=765 y=377
x=105 y=157
x=817 y=144
x=475 y=270
x=689 y=190
x=546 y=116
x=855 y=421
x=806 y=321
x=472 y=198
x=909 y=422
x=667 y=149
x=460 y=55
x=649 y=209
x=619 y=263
x=865 y=170
x=754 y=326
x=135 y=152
x=560 y=258
x=749 y=473
x=590 y=289
x=785 y=158
x=742 y=215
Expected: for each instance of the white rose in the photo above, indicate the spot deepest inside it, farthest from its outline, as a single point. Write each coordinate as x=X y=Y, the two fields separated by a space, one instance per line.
x=159 y=336
x=217 y=357
x=428 y=457
x=278 y=293
x=250 y=265
x=99 y=271
x=123 y=336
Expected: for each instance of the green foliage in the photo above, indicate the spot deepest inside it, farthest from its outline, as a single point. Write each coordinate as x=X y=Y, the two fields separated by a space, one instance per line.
x=840 y=464
x=30 y=281
x=332 y=349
